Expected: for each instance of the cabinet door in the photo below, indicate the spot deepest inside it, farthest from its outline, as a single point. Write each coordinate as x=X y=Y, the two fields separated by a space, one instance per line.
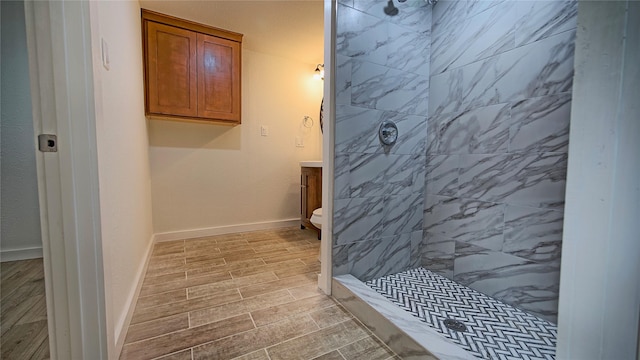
x=172 y=72
x=218 y=78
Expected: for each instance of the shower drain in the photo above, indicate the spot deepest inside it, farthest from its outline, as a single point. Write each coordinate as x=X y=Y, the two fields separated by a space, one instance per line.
x=455 y=325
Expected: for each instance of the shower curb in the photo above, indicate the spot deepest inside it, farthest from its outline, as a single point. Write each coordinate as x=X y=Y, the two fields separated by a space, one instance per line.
x=406 y=335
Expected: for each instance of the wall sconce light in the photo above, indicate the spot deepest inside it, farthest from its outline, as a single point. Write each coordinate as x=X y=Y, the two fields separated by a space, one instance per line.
x=319 y=73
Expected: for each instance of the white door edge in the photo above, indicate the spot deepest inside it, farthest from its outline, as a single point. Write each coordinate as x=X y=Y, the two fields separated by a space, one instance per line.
x=58 y=41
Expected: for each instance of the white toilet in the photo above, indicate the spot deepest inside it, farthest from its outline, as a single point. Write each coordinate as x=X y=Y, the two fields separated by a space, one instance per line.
x=316 y=218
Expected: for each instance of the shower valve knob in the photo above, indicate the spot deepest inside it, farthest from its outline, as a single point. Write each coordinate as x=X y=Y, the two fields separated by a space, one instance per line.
x=388 y=133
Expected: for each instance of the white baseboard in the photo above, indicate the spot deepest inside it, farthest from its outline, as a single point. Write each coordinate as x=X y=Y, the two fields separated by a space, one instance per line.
x=221 y=230
x=20 y=254
x=123 y=323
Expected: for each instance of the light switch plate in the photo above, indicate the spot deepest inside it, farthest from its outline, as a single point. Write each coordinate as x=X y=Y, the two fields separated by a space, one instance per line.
x=264 y=130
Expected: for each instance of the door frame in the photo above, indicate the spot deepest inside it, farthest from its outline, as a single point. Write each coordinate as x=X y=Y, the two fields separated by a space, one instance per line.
x=63 y=103
x=328 y=148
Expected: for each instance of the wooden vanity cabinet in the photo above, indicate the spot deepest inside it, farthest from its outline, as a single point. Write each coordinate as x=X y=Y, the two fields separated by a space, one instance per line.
x=192 y=71
x=310 y=195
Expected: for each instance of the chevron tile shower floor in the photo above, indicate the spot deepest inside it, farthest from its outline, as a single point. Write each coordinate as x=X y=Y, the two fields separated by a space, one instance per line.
x=493 y=330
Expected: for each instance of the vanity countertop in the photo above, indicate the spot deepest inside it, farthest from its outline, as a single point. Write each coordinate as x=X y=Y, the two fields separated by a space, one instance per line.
x=316 y=163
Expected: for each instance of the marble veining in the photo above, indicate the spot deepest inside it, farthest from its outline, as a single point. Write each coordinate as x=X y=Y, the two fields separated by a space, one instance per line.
x=540 y=124
x=541 y=68
x=540 y=19
x=379 y=174
x=378 y=257
x=526 y=284
x=357 y=219
x=380 y=87
x=383 y=70
x=533 y=234
x=361 y=36
x=475 y=38
x=532 y=180
x=442 y=175
x=439 y=254
x=357 y=131
x=479 y=131
x=473 y=221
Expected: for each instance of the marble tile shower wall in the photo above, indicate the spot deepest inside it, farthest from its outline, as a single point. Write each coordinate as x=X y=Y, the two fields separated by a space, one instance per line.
x=499 y=109
x=382 y=74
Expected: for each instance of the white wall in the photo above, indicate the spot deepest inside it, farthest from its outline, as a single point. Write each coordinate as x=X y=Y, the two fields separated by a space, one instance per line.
x=210 y=176
x=599 y=306
x=123 y=158
x=20 y=228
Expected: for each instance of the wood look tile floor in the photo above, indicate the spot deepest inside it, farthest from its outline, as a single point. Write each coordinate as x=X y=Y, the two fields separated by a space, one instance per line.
x=23 y=311
x=249 y=296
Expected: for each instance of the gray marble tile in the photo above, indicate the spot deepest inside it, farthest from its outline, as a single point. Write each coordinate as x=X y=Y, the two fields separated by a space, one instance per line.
x=379 y=257
x=432 y=135
x=357 y=129
x=527 y=285
x=442 y=175
x=529 y=180
x=403 y=214
x=380 y=174
x=476 y=222
x=483 y=35
x=340 y=260
x=448 y=15
x=533 y=234
x=341 y=188
x=438 y=254
x=409 y=50
x=541 y=68
x=419 y=173
x=346 y=2
x=343 y=80
x=465 y=88
x=417 y=249
x=357 y=219
x=412 y=14
x=412 y=133
x=540 y=19
x=483 y=130
x=476 y=7
x=379 y=87
x=360 y=35
x=541 y=124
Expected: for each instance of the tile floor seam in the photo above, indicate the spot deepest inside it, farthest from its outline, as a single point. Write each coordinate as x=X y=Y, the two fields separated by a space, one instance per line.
x=371 y=333
x=265 y=249
x=252 y=320
x=309 y=333
x=341 y=354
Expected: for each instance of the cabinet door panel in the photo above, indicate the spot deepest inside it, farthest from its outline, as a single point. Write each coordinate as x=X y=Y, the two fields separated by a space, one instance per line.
x=219 y=78
x=172 y=70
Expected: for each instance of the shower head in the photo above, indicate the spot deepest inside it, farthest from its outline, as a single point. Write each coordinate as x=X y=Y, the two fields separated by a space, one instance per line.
x=391 y=9
x=431 y=2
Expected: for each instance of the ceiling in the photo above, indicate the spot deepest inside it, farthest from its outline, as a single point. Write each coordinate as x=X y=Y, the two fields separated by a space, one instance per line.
x=291 y=29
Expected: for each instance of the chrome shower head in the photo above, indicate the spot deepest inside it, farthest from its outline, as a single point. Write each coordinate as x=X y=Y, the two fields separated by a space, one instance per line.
x=391 y=9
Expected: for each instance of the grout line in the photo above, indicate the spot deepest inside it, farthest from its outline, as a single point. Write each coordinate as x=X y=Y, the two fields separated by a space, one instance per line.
x=341 y=354
x=253 y=321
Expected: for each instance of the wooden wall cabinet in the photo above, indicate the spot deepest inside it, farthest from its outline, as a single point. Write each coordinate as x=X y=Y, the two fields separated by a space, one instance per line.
x=192 y=71
x=310 y=194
